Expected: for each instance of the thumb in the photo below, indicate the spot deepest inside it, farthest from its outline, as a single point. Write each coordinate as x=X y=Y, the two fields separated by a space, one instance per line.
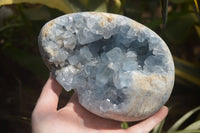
x=49 y=97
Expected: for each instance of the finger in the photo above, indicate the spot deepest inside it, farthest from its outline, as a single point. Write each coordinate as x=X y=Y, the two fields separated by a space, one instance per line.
x=72 y=102
x=148 y=124
x=49 y=97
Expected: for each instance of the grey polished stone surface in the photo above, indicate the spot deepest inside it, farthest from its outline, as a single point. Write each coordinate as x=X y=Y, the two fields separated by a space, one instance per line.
x=120 y=69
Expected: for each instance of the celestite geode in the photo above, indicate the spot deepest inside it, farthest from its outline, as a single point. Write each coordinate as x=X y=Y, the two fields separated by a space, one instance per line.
x=120 y=69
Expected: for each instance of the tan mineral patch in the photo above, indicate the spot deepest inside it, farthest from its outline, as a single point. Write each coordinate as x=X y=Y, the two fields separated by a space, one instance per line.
x=50 y=51
x=106 y=18
x=146 y=82
x=46 y=28
x=137 y=25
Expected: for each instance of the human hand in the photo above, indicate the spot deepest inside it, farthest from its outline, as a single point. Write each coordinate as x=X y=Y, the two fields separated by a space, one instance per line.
x=73 y=118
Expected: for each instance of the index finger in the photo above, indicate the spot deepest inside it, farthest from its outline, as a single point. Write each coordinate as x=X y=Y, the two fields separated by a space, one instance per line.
x=148 y=124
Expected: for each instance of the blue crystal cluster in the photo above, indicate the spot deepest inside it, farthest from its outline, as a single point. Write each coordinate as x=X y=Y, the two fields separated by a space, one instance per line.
x=120 y=69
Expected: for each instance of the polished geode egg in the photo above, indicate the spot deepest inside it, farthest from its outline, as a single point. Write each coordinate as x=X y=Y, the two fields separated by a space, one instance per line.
x=120 y=69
